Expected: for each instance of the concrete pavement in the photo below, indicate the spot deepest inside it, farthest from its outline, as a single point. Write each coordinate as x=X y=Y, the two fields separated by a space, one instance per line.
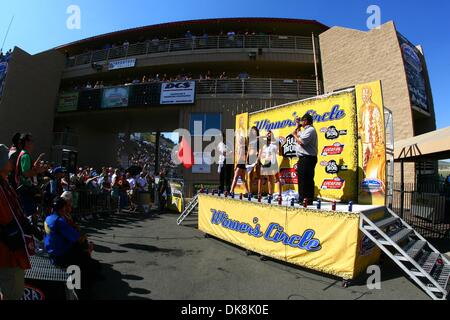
x=153 y=258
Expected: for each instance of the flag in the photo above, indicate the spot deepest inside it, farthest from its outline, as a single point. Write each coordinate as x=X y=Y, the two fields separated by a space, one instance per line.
x=185 y=154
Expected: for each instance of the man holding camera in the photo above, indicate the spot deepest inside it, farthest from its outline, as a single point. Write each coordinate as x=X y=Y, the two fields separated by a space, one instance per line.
x=307 y=154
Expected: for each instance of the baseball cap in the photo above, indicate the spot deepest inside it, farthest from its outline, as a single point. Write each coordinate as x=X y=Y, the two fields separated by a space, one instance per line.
x=307 y=117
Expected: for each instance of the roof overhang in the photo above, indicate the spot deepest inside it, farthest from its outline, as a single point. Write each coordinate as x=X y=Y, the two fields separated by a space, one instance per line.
x=433 y=145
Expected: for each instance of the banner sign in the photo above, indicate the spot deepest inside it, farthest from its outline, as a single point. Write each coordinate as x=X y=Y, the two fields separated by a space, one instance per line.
x=335 y=123
x=115 y=97
x=414 y=73
x=3 y=71
x=68 y=102
x=180 y=92
x=320 y=240
x=122 y=64
x=371 y=145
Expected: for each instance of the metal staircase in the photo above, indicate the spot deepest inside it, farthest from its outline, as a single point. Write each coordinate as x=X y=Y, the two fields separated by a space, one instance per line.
x=188 y=210
x=410 y=251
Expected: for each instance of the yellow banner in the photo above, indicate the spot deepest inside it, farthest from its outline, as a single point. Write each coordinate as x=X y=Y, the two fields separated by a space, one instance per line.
x=240 y=143
x=371 y=144
x=242 y=223
x=335 y=122
x=338 y=236
x=324 y=241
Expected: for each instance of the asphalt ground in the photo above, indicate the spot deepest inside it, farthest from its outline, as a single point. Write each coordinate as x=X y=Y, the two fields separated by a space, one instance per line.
x=150 y=257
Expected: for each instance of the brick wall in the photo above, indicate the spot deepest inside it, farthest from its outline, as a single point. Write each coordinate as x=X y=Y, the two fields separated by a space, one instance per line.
x=351 y=57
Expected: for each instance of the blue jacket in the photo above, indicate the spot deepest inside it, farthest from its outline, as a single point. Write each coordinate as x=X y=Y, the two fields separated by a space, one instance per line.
x=60 y=236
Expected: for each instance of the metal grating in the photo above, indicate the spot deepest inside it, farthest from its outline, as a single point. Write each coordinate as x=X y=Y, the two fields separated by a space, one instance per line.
x=430 y=262
x=43 y=269
x=386 y=222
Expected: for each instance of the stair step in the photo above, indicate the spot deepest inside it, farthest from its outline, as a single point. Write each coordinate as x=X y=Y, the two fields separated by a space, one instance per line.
x=412 y=249
x=443 y=277
x=401 y=235
x=430 y=262
x=386 y=222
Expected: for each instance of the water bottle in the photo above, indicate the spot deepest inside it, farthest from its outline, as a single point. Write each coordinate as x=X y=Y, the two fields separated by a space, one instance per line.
x=319 y=204
x=350 y=206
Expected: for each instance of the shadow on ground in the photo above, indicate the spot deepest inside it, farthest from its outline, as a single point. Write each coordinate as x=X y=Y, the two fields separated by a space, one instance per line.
x=114 y=286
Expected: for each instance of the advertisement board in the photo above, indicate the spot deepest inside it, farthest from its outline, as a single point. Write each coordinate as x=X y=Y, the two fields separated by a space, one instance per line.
x=371 y=144
x=414 y=73
x=67 y=102
x=335 y=123
x=121 y=64
x=116 y=97
x=179 y=92
x=324 y=241
x=3 y=71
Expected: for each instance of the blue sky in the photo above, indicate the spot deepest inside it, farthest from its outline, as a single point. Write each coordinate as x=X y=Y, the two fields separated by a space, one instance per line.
x=40 y=25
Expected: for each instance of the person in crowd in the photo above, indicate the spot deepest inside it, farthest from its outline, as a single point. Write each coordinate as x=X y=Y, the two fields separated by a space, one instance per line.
x=142 y=182
x=66 y=246
x=14 y=152
x=132 y=191
x=223 y=168
x=307 y=154
x=253 y=161
x=163 y=190
x=269 y=164
x=123 y=187
x=26 y=171
x=241 y=147
x=14 y=259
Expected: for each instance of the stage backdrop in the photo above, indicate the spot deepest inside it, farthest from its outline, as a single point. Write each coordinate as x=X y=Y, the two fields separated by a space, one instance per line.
x=335 y=122
x=324 y=241
x=371 y=144
x=346 y=170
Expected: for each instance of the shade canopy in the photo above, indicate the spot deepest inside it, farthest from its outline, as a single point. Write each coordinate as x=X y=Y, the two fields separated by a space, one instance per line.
x=433 y=145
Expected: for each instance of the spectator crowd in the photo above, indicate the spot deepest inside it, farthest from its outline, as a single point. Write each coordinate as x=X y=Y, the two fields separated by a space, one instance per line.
x=41 y=205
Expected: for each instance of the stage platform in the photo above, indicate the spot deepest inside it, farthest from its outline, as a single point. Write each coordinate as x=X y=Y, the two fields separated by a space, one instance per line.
x=319 y=239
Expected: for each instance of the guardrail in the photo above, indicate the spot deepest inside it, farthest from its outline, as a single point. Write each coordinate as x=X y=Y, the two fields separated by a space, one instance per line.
x=194 y=43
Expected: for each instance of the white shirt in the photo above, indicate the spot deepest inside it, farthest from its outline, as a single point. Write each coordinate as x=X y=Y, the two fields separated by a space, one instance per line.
x=222 y=148
x=132 y=183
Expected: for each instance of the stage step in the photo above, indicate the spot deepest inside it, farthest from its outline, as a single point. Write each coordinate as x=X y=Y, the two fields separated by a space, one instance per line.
x=412 y=249
x=418 y=258
x=386 y=222
x=191 y=207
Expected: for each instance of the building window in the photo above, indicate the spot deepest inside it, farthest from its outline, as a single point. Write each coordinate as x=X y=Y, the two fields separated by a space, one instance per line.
x=208 y=121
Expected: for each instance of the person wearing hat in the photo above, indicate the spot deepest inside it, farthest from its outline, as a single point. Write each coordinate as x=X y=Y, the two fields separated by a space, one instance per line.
x=307 y=153
x=66 y=246
x=14 y=258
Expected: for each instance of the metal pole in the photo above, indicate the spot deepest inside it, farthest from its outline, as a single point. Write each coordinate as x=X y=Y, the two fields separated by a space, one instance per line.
x=402 y=190
x=315 y=64
x=157 y=146
x=7 y=32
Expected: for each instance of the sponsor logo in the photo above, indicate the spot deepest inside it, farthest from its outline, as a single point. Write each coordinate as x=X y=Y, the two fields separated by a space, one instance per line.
x=289 y=148
x=332 y=133
x=335 y=149
x=331 y=167
x=177 y=85
x=333 y=184
x=336 y=113
x=289 y=175
x=31 y=293
x=273 y=233
x=371 y=185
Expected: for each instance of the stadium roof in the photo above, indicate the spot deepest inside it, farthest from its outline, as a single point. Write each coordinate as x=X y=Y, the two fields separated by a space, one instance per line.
x=269 y=25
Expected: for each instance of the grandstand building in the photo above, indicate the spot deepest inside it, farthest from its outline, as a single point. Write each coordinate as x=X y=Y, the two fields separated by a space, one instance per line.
x=82 y=95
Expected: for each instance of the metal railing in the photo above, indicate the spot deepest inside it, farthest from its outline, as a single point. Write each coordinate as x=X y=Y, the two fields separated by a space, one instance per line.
x=426 y=207
x=269 y=87
x=194 y=43
x=146 y=94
